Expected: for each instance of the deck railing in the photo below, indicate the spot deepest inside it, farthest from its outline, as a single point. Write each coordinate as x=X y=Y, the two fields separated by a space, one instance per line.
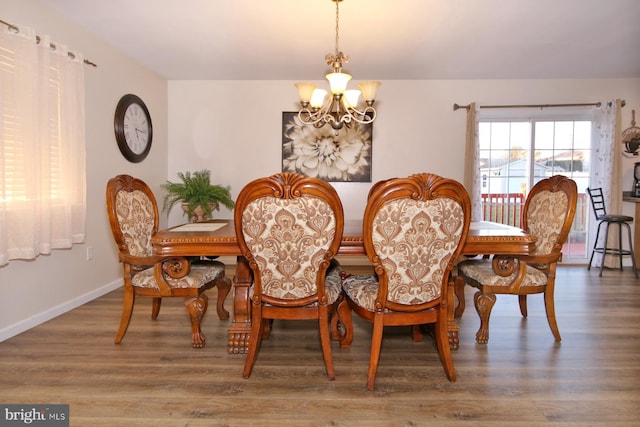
x=506 y=208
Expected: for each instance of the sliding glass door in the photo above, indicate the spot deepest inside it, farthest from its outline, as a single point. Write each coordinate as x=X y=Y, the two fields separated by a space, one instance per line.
x=517 y=152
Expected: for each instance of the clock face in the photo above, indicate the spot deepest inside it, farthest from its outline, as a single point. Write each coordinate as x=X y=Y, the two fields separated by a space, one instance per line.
x=133 y=128
x=136 y=128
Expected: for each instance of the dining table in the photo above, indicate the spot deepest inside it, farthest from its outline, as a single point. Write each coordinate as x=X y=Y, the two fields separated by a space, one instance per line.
x=218 y=238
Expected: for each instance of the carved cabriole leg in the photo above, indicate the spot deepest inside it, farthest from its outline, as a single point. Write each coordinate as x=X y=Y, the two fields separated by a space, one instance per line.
x=335 y=325
x=344 y=313
x=458 y=290
x=255 y=337
x=325 y=341
x=416 y=333
x=444 y=350
x=376 y=344
x=522 y=299
x=549 y=307
x=452 y=326
x=266 y=328
x=127 y=310
x=155 y=308
x=224 y=286
x=240 y=330
x=484 y=303
x=197 y=307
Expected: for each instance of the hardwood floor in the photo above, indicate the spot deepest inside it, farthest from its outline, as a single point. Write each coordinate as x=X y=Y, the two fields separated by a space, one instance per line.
x=521 y=378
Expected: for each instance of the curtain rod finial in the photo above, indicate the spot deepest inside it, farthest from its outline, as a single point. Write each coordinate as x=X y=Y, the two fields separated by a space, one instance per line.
x=456 y=107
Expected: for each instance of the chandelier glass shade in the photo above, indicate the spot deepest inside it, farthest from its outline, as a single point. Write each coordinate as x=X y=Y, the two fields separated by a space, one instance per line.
x=342 y=106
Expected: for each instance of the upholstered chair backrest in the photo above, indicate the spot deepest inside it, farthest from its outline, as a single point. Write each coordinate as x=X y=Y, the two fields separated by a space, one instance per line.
x=549 y=212
x=412 y=232
x=133 y=214
x=289 y=228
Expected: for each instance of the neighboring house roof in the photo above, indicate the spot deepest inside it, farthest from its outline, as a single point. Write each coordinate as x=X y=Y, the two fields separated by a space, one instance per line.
x=559 y=162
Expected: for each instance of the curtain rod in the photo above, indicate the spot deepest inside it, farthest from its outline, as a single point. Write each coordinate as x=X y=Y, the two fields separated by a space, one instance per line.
x=51 y=45
x=456 y=107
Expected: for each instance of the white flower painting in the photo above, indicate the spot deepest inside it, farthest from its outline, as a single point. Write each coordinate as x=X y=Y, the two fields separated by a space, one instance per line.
x=337 y=156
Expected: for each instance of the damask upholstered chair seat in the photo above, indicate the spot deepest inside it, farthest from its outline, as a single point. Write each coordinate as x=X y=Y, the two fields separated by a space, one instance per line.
x=548 y=214
x=289 y=228
x=133 y=215
x=413 y=229
x=198 y=274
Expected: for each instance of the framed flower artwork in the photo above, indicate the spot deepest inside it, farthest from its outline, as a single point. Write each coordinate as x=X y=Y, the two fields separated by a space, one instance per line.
x=335 y=156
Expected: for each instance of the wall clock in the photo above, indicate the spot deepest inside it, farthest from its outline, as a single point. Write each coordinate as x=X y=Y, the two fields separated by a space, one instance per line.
x=133 y=128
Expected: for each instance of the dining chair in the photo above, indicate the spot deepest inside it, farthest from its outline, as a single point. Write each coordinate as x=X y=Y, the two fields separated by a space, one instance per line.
x=547 y=214
x=413 y=229
x=133 y=216
x=603 y=218
x=289 y=228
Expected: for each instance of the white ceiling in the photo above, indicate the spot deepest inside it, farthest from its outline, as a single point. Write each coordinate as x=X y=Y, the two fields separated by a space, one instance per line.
x=386 y=39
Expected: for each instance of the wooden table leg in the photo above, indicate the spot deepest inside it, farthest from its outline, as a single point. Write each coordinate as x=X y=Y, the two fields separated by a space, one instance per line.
x=452 y=326
x=239 y=331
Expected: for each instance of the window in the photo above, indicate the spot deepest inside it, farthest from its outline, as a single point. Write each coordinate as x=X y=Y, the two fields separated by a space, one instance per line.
x=42 y=146
x=517 y=150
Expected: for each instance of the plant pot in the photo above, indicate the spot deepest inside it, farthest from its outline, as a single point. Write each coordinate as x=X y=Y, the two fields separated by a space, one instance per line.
x=197 y=214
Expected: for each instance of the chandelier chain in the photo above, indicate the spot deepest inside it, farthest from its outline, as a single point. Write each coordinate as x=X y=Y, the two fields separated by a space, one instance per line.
x=337 y=26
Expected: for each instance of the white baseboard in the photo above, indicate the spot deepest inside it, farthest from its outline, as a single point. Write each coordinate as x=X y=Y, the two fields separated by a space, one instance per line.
x=33 y=321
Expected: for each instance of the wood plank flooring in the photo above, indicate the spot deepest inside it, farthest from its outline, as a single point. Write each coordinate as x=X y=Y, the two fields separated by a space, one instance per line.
x=521 y=378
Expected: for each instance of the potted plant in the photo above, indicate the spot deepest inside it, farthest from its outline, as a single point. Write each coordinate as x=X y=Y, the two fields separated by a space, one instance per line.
x=198 y=196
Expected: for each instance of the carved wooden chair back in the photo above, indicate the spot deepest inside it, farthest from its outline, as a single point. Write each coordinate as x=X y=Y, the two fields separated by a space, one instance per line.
x=413 y=231
x=289 y=228
x=133 y=215
x=548 y=213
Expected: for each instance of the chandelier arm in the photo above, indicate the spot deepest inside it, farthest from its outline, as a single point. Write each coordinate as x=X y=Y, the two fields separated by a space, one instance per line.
x=323 y=114
x=365 y=116
x=369 y=113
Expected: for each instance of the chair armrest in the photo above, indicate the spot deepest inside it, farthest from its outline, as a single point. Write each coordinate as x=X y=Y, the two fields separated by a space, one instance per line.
x=541 y=259
x=172 y=266
x=141 y=261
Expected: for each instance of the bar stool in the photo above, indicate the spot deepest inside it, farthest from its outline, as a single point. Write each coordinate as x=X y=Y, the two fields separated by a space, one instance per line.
x=600 y=211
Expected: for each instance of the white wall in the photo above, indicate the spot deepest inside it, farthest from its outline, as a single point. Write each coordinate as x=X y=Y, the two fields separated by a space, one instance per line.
x=234 y=127
x=34 y=291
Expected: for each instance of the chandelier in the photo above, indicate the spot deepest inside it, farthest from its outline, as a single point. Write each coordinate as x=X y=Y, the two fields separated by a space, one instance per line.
x=341 y=107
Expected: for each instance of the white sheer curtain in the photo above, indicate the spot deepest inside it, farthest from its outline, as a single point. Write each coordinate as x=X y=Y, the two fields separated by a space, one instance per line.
x=42 y=146
x=472 y=179
x=606 y=167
